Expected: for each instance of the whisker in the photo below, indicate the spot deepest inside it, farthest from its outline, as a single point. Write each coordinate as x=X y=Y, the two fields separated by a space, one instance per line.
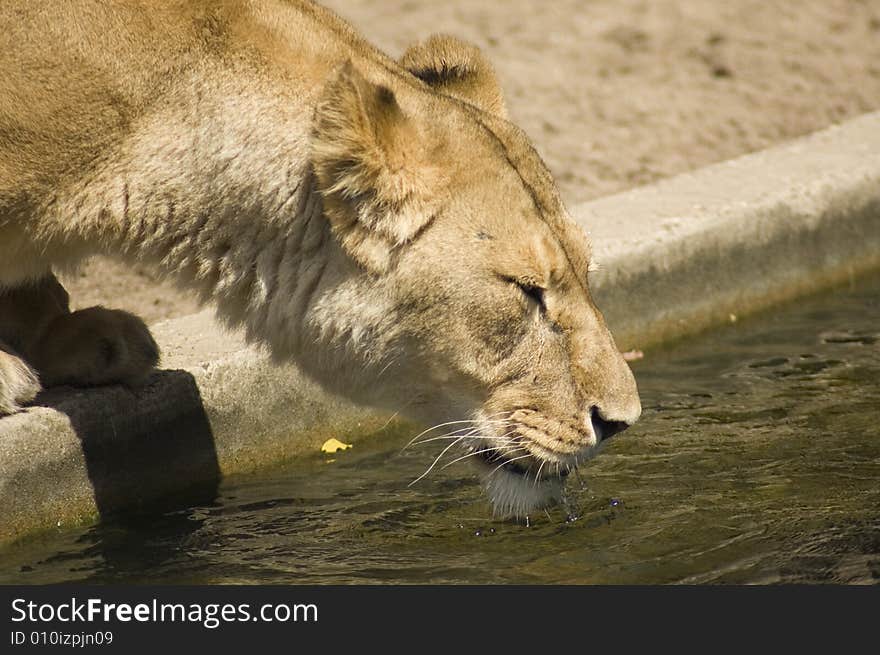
x=472 y=435
x=512 y=447
x=434 y=463
x=442 y=425
x=458 y=459
x=506 y=447
x=485 y=450
x=470 y=429
x=508 y=462
x=538 y=474
x=388 y=422
x=502 y=450
x=454 y=433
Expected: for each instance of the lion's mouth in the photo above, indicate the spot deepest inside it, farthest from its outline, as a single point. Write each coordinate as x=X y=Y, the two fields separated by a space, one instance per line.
x=525 y=466
x=518 y=484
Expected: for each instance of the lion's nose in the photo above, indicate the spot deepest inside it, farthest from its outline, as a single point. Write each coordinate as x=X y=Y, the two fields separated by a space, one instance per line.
x=604 y=429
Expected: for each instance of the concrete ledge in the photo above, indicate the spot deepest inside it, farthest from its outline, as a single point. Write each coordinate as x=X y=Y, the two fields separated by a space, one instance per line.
x=686 y=253
x=676 y=257
x=218 y=408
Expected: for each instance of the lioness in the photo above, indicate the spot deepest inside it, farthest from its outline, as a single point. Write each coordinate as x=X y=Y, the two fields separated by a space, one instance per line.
x=379 y=222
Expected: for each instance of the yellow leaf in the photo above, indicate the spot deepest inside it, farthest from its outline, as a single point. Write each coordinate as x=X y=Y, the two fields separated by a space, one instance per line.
x=332 y=445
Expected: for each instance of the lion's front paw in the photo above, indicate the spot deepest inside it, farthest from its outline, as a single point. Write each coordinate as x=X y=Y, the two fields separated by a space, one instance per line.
x=18 y=383
x=96 y=346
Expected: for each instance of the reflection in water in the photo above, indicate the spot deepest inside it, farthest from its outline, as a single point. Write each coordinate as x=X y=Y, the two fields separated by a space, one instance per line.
x=757 y=460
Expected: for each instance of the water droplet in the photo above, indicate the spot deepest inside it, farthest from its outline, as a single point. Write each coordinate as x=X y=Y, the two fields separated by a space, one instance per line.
x=568 y=507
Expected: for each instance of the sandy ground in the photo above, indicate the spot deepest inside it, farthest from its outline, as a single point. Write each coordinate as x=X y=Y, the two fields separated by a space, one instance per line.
x=619 y=93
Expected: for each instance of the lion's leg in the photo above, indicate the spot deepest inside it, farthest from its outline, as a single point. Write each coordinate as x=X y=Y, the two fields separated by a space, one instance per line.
x=95 y=346
x=18 y=381
x=88 y=347
x=25 y=311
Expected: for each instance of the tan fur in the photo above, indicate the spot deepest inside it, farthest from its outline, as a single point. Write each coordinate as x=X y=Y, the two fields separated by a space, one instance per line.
x=456 y=68
x=381 y=223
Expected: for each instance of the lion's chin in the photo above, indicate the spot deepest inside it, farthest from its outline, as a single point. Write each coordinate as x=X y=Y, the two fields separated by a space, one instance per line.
x=514 y=494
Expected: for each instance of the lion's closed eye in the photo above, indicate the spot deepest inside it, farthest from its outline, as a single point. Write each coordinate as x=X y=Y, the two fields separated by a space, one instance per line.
x=533 y=293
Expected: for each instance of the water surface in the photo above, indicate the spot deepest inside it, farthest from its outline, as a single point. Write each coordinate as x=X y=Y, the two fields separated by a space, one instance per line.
x=757 y=460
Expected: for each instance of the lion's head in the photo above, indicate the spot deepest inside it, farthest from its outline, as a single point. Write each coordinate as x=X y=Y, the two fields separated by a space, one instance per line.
x=460 y=292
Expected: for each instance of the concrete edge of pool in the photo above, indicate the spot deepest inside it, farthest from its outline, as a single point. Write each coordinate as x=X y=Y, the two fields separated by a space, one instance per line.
x=676 y=257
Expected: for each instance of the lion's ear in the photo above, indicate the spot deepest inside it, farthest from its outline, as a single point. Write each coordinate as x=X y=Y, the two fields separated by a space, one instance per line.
x=457 y=68
x=373 y=169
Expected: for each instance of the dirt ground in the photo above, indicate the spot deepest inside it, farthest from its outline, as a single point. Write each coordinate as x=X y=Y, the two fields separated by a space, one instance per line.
x=619 y=93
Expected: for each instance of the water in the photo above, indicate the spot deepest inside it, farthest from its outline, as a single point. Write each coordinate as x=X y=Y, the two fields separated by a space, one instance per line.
x=757 y=460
